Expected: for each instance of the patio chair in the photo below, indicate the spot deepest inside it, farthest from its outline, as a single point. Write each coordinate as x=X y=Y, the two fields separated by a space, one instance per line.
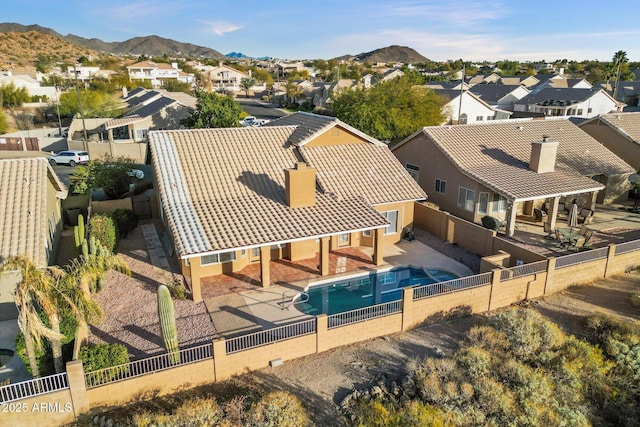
x=585 y=216
x=587 y=236
x=579 y=244
x=583 y=229
x=539 y=215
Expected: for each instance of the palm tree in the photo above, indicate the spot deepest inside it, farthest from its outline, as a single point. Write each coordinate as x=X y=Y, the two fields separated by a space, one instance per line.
x=27 y=296
x=619 y=58
x=609 y=73
x=247 y=83
x=293 y=90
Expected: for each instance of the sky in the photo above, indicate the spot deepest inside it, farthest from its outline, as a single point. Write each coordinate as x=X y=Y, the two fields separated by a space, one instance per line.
x=440 y=30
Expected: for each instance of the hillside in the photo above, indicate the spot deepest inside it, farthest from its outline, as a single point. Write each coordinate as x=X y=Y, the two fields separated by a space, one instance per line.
x=148 y=45
x=23 y=48
x=393 y=53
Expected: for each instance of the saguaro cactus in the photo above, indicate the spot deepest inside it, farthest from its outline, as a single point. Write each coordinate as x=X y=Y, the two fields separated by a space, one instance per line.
x=168 y=324
x=79 y=233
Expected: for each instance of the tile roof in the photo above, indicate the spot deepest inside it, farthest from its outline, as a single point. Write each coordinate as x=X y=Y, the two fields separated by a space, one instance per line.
x=311 y=125
x=626 y=123
x=491 y=93
x=558 y=96
x=23 y=207
x=224 y=189
x=123 y=121
x=497 y=154
x=366 y=170
x=152 y=108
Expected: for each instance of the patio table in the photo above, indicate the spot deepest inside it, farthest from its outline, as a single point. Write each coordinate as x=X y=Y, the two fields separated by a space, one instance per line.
x=570 y=233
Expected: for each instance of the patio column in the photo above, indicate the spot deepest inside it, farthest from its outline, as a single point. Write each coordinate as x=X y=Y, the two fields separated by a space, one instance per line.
x=110 y=135
x=324 y=256
x=378 y=247
x=553 y=212
x=591 y=200
x=511 y=219
x=265 y=273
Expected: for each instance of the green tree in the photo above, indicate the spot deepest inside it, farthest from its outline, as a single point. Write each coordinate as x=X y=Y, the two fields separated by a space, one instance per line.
x=246 y=83
x=108 y=173
x=173 y=85
x=94 y=103
x=390 y=110
x=213 y=111
x=619 y=58
x=4 y=124
x=293 y=91
x=12 y=96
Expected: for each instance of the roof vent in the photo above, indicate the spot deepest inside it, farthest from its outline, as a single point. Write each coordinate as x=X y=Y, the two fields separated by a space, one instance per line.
x=520 y=128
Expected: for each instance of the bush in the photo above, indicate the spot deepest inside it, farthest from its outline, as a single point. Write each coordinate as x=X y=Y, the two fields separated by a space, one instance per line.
x=126 y=221
x=177 y=289
x=279 y=408
x=104 y=229
x=635 y=299
x=99 y=356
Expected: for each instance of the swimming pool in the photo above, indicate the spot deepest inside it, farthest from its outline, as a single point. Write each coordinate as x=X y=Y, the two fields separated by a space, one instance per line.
x=364 y=291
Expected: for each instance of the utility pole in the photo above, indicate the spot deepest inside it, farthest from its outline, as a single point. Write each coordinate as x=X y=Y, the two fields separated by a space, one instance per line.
x=84 y=126
x=461 y=92
x=55 y=87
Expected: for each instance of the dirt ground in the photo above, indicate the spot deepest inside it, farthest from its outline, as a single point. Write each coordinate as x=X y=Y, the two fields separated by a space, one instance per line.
x=321 y=381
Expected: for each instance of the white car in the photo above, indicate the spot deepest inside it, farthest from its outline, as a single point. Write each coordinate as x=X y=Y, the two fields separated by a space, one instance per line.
x=69 y=157
x=253 y=121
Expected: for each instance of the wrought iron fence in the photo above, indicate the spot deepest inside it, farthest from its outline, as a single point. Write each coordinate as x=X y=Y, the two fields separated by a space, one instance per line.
x=625 y=247
x=581 y=257
x=362 y=314
x=468 y=282
x=148 y=365
x=257 y=339
x=523 y=270
x=34 y=387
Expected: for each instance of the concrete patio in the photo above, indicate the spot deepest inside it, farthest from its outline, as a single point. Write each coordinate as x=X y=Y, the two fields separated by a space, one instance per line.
x=246 y=307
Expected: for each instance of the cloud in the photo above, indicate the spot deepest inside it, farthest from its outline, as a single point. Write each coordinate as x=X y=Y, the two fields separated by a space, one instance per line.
x=132 y=10
x=469 y=13
x=221 y=27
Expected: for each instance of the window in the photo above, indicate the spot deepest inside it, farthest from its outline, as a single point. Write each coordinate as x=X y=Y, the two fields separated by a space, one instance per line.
x=463 y=119
x=255 y=252
x=589 y=110
x=277 y=246
x=392 y=217
x=479 y=118
x=579 y=111
x=466 y=199
x=483 y=202
x=366 y=233
x=499 y=203
x=491 y=117
x=441 y=186
x=243 y=253
x=141 y=133
x=413 y=170
x=218 y=258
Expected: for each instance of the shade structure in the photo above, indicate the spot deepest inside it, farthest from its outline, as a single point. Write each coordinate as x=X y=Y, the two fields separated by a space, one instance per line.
x=572 y=219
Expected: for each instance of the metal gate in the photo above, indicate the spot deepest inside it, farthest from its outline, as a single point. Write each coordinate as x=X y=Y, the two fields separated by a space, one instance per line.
x=142 y=207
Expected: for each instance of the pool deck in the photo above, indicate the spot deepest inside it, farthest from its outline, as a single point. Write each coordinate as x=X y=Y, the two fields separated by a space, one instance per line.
x=252 y=310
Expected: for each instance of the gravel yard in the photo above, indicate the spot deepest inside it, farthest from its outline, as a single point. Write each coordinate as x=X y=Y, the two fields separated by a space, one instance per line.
x=130 y=307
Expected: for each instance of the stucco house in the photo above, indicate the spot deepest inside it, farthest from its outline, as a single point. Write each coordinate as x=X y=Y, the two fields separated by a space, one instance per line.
x=30 y=208
x=223 y=78
x=503 y=169
x=619 y=132
x=158 y=72
x=296 y=188
x=471 y=109
x=583 y=103
x=499 y=96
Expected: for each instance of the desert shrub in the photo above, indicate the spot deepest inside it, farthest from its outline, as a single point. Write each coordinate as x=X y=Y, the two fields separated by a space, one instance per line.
x=126 y=221
x=177 y=289
x=104 y=229
x=635 y=299
x=100 y=356
x=280 y=409
x=198 y=412
x=379 y=413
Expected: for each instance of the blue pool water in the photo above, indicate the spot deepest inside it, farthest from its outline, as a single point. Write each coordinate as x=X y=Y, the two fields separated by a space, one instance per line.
x=364 y=291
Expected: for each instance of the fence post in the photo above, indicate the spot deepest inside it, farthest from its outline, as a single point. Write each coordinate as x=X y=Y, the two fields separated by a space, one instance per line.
x=322 y=328
x=407 y=308
x=495 y=280
x=219 y=351
x=551 y=268
x=610 y=261
x=77 y=387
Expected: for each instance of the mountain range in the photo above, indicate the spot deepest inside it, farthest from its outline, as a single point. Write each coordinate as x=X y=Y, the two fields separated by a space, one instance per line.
x=159 y=46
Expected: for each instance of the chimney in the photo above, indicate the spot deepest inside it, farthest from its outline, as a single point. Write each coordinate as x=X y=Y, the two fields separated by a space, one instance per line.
x=300 y=186
x=543 y=155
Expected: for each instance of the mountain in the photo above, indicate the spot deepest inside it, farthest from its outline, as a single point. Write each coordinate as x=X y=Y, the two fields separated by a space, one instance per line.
x=393 y=53
x=26 y=48
x=237 y=55
x=149 y=45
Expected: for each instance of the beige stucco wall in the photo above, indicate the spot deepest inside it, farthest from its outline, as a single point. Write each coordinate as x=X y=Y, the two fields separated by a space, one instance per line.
x=335 y=136
x=54 y=213
x=405 y=218
x=51 y=409
x=622 y=147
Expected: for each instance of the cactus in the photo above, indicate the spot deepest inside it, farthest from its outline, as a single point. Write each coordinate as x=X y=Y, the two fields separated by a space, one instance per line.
x=85 y=249
x=81 y=232
x=93 y=250
x=168 y=324
x=76 y=236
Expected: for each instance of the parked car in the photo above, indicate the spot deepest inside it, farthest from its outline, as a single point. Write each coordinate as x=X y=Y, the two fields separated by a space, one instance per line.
x=248 y=121
x=69 y=157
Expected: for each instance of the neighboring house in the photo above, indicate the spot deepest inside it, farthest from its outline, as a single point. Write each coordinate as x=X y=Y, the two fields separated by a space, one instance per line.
x=224 y=78
x=471 y=109
x=452 y=85
x=526 y=81
x=127 y=135
x=30 y=208
x=583 y=103
x=620 y=133
x=158 y=73
x=506 y=168
x=482 y=78
x=628 y=93
x=296 y=188
x=82 y=72
x=369 y=80
x=32 y=85
x=323 y=91
x=559 y=81
x=499 y=96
